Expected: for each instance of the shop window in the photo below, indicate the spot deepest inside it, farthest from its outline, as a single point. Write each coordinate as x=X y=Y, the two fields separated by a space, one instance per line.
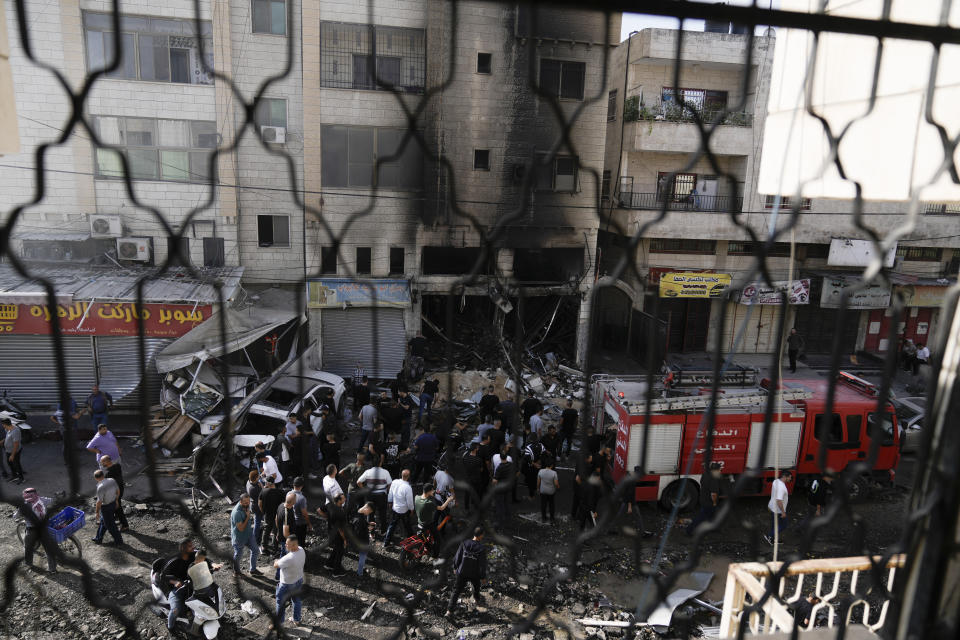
x=484 y=63
x=396 y=261
x=562 y=78
x=273 y=231
x=363 y=260
x=328 y=260
x=152 y=49
x=270 y=16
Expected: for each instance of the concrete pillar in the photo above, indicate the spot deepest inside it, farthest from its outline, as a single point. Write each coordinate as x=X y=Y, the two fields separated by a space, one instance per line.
x=583 y=329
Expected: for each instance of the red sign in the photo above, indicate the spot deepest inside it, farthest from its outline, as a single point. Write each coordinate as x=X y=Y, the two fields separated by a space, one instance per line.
x=103 y=319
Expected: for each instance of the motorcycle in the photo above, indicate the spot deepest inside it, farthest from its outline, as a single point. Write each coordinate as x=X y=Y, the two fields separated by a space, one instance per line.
x=420 y=544
x=204 y=607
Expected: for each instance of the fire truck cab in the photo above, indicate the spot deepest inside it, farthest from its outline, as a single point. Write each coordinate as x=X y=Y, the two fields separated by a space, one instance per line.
x=673 y=445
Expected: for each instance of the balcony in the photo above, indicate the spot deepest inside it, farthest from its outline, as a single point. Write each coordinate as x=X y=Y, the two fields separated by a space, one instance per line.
x=655 y=202
x=669 y=127
x=841 y=584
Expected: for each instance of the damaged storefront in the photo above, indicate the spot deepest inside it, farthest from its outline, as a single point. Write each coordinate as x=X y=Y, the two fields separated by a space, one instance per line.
x=921 y=298
x=99 y=318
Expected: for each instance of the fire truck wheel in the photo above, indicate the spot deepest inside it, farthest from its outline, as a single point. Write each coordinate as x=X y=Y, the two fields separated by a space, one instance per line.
x=857 y=489
x=680 y=494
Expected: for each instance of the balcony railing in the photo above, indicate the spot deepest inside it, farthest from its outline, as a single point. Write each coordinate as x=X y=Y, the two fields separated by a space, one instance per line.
x=673 y=112
x=844 y=586
x=655 y=201
x=941 y=208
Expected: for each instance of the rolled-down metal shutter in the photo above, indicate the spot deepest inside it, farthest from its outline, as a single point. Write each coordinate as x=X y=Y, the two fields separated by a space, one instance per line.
x=120 y=374
x=348 y=339
x=29 y=369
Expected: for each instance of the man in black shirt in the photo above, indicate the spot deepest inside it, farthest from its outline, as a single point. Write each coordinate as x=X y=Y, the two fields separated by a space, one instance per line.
x=504 y=475
x=593 y=441
x=361 y=395
x=406 y=404
x=568 y=427
x=337 y=522
x=709 y=496
x=590 y=492
x=497 y=435
x=551 y=441
x=428 y=393
x=507 y=411
x=418 y=345
x=174 y=578
x=113 y=470
x=488 y=403
x=529 y=407
x=474 y=470
x=584 y=468
x=392 y=416
x=270 y=500
x=486 y=453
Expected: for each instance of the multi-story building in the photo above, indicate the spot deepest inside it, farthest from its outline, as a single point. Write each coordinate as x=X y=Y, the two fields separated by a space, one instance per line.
x=325 y=183
x=653 y=163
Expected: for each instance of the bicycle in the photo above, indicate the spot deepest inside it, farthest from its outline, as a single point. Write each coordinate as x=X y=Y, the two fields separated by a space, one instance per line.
x=419 y=545
x=69 y=521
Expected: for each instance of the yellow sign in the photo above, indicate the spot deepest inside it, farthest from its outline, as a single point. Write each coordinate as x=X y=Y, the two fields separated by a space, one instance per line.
x=694 y=285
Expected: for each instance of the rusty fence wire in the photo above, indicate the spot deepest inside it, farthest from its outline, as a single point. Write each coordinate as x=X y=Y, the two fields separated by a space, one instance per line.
x=920 y=603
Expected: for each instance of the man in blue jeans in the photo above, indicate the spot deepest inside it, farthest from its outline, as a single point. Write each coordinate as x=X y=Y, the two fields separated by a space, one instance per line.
x=108 y=495
x=241 y=534
x=98 y=404
x=427 y=395
x=290 y=584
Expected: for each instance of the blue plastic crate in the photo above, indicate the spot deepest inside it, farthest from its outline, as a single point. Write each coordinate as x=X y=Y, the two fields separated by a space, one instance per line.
x=69 y=521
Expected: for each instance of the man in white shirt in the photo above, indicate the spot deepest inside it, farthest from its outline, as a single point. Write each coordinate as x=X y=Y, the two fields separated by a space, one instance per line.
x=779 y=497
x=498 y=458
x=377 y=481
x=270 y=467
x=443 y=482
x=290 y=585
x=331 y=488
x=400 y=497
x=923 y=357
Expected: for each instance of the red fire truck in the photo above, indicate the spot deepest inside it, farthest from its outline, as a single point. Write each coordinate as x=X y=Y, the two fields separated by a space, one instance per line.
x=675 y=440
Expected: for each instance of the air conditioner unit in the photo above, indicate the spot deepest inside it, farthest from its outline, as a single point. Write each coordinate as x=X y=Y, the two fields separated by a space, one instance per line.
x=137 y=249
x=105 y=225
x=275 y=135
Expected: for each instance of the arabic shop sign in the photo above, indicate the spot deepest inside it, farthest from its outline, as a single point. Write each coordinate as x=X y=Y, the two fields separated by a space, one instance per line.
x=337 y=293
x=693 y=285
x=859 y=294
x=103 y=318
x=798 y=292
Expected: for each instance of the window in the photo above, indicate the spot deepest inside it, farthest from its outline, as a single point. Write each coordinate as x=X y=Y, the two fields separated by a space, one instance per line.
x=481 y=159
x=560 y=174
x=675 y=245
x=679 y=190
x=612 y=106
x=349 y=155
x=172 y=150
x=270 y=16
x=214 y=254
x=817 y=251
x=941 y=207
x=363 y=260
x=881 y=428
x=785 y=202
x=605 y=185
x=836 y=430
x=703 y=101
x=347 y=60
x=328 y=260
x=183 y=258
x=737 y=248
x=273 y=231
x=271 y=112
x=922 y=254
x=484 y=63
x=152 y=49
x=396 y=261
x=562 y=78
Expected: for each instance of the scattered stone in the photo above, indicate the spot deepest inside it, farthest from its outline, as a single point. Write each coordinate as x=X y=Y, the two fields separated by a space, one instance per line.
x=578 y=609
x=141 y=507
x=161 y=528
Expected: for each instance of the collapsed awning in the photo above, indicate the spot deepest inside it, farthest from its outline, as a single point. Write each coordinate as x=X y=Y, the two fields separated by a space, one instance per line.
x=274 y=309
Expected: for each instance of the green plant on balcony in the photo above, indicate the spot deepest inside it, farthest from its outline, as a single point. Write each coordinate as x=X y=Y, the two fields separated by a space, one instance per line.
x=738 y=119
x=631 y=109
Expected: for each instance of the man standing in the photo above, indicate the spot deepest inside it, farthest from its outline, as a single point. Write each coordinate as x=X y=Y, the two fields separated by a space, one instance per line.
x=270 y=470
x=337 y=523
x=351 y=475
x=470 y=565
x=418 y=345
x=425 y=453
x=269 y=537
x=405 y=403
x=113 y=470
x=362 y=526
x=547 y=484
x=290 y=585
x=504 y=482
x=709 y=496
x=98 y=404
x=568 y=427
x=551 y=442
x=60 y=418
x=376 y=480
x=923 y=357
x=301 y=517
x=474 y=469
x=108 y=494
x=400 y=497
x=427 y=395
x=530 y=406
x=821 y=493
x=426 y=508
x=795 y=345
x=12 y=448
x=368 y=420
x=361 y=391
x=779 y=496
x=105 y=444
x=241 y=534
x=488 y=402
x=255 y=490
x=536 y=422
x=532 y=457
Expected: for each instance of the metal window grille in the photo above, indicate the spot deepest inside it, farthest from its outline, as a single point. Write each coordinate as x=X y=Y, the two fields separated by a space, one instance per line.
x=372 y=57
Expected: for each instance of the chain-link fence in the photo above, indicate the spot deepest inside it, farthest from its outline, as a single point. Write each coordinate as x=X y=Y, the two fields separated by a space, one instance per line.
x=536 y=588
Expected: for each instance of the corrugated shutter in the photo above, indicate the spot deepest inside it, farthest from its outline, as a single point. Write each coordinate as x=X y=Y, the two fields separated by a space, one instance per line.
x=663 y=447
x=120 y=372
x=29 y=369
x=347 y=339
x=784 y=457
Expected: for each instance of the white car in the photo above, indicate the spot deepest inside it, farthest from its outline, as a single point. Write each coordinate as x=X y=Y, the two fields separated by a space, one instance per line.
x=289 y=394
x=910 y=414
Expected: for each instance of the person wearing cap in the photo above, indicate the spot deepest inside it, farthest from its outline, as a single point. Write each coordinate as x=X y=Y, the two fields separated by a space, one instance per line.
x=34 y=511
x=12 y=449
x=269 y=468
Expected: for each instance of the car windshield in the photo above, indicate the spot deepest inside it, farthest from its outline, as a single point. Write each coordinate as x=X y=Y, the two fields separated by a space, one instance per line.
x=261 y=424
x=281 y=397
x=905 y=413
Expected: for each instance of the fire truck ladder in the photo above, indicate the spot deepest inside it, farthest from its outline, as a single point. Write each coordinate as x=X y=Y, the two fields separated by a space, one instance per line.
x=660 y=405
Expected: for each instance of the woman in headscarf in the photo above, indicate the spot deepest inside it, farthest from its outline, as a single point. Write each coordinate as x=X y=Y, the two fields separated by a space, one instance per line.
x=34 y=514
